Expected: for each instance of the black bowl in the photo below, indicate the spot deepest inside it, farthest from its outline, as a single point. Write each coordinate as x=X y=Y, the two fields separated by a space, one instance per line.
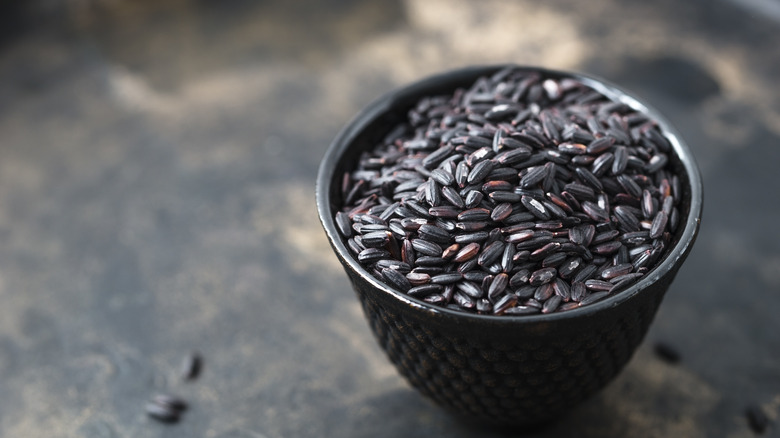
x=504 y=369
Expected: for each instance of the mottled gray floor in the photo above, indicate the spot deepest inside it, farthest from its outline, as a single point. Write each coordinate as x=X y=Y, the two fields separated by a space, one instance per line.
x=157 y=166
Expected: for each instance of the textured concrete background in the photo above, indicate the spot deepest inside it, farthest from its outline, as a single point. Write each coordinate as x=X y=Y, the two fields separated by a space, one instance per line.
x=157 y=166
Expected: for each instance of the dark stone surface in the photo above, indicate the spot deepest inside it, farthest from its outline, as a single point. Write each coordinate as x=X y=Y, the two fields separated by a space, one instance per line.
x=157 y=162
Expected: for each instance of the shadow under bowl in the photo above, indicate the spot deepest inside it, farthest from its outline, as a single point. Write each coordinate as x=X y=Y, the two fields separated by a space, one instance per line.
x=517 y=370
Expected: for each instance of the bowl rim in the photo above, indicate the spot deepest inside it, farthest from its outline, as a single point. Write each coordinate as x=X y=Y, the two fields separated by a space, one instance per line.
x=384 y=103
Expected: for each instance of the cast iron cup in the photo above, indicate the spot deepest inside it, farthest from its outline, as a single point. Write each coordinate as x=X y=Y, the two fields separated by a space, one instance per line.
x=504 y=369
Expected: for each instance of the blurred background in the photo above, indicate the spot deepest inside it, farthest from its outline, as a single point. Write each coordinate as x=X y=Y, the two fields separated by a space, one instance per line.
x=157 y=167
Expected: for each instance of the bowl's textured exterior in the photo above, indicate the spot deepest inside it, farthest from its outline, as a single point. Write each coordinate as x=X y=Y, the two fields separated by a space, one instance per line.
x=503 y=369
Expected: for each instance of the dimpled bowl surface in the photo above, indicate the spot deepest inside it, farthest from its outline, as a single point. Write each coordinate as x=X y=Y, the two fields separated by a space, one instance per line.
x=516 y=370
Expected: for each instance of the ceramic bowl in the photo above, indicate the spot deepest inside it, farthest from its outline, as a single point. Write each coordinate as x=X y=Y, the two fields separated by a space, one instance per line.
x=518 y=370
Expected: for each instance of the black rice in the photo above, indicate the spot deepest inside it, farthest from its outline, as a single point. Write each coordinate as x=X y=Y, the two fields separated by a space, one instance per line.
x=191 y=366
x=396 y=279
x=757 y=419
x=522 y=194
x=165 y=408
x=161 y=413
x=666 y=352
x=170 y=402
